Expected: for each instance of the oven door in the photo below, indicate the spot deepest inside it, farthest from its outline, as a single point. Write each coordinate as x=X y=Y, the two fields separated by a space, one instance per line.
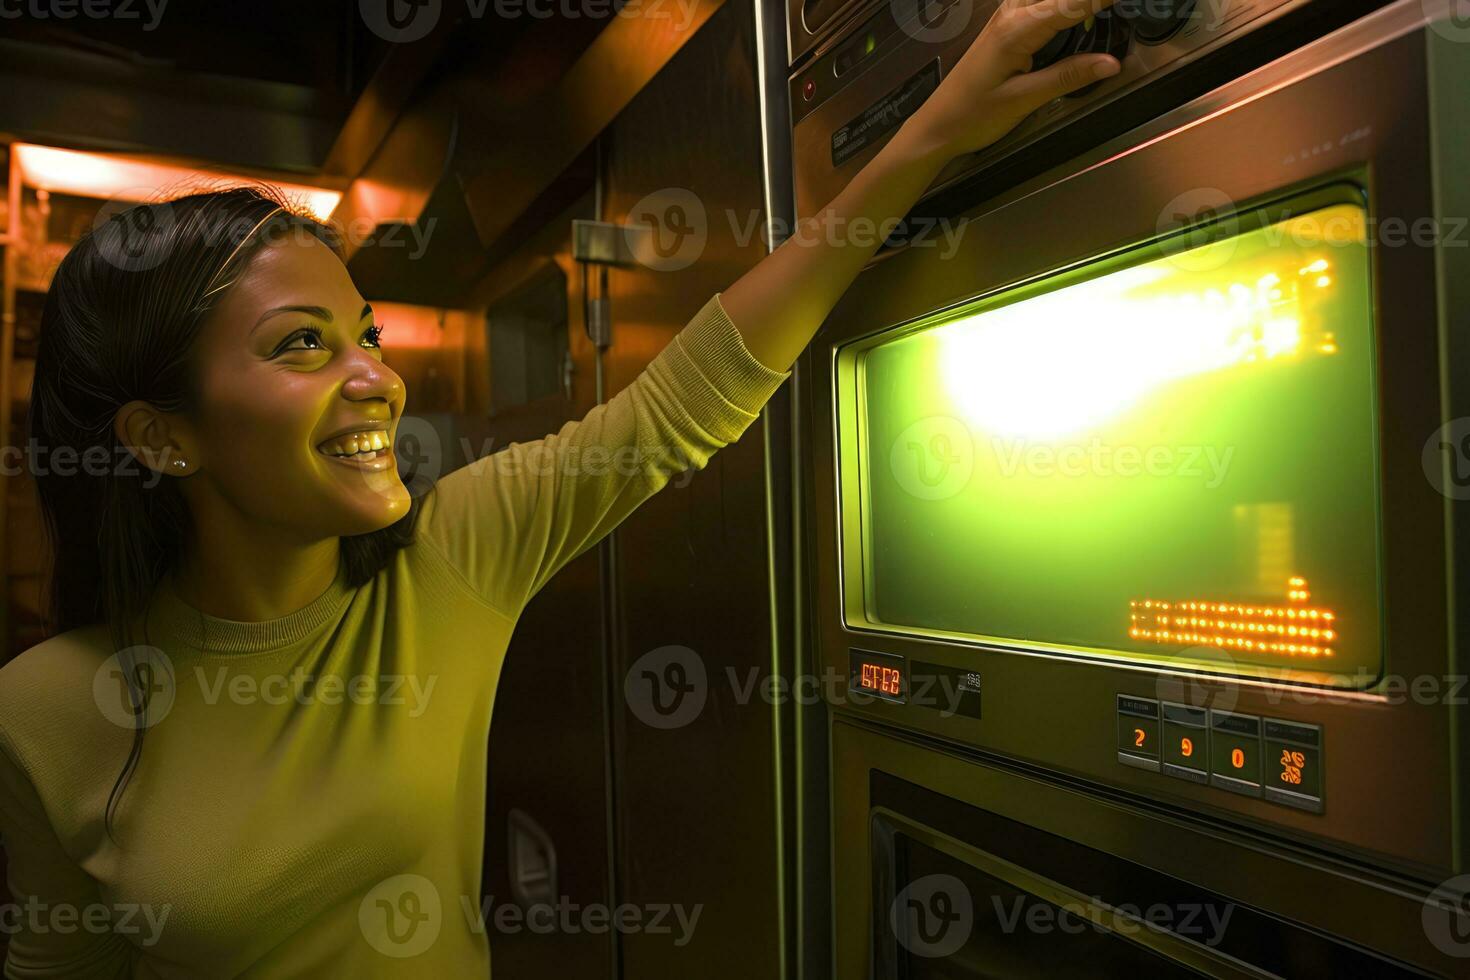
x=1008 y=324
x=954 y=867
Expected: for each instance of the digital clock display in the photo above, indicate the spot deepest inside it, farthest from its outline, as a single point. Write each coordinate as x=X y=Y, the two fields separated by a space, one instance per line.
x=880 y=674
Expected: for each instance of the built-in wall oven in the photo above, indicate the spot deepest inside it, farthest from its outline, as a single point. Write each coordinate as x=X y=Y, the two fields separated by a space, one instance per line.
x=1138 y=541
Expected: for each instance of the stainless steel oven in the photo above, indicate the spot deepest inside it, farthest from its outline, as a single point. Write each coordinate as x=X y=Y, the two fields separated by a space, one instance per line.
x=1136 y=495
x=866 y=77
x=808 y=22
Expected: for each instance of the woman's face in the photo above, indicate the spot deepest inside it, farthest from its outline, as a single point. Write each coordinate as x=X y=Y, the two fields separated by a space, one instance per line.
x=293 y=380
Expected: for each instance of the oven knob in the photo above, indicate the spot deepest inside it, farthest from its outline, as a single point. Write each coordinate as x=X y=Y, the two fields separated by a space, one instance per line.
x=1057 y=48
x=1154 y=21
x=1102 y=34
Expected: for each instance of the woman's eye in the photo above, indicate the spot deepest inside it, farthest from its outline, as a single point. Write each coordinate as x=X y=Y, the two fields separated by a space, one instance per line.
x=308 y=339
x=373 y=336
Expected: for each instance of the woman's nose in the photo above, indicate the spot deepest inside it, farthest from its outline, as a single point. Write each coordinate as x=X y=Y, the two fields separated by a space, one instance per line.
x=369 y=377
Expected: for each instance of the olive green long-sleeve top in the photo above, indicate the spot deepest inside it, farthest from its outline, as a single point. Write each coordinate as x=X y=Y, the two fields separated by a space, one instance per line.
x=310 y=800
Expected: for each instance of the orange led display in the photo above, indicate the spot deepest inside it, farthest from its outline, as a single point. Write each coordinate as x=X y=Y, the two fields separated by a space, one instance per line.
x=1294 y=629
x=884 y=680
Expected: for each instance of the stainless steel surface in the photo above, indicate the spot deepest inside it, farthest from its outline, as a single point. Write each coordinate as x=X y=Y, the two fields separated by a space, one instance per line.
x=1240 y=871
x=809 y=21
x=1395 y=794
x=907 y=44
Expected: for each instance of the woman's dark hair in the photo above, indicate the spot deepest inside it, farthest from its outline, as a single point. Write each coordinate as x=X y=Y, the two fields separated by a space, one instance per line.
x=119 y=324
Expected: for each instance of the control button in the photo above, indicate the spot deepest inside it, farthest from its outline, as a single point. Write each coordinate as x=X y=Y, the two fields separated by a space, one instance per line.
x=1293 y=764
x=809 y=89
x=1186 y=742
x=1235 y=752
x=1138 y=732
x=1154 y=21
x=1102 y=33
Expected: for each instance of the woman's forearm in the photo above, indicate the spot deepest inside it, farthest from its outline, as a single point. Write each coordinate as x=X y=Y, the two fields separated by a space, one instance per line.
x=779 y=304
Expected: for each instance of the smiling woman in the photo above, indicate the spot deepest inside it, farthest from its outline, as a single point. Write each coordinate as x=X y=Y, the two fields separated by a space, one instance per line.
x=250 y=584
x=261 y=595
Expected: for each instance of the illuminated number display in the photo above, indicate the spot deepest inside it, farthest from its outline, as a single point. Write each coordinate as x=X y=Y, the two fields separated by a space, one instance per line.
x=881 y=680
x=1294 y=764
x=881 y=675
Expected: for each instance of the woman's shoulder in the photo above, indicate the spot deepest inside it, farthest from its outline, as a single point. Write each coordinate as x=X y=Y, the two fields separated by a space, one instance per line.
x=53 y=683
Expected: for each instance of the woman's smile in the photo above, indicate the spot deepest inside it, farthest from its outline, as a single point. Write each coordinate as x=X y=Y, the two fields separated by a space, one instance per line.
x=366 y=449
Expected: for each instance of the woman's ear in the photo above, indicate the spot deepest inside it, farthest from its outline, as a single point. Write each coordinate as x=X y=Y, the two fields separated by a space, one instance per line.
x=155 y=438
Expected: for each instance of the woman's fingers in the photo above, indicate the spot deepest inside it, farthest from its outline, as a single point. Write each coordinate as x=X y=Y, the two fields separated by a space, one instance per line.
x=1035 y=89
x=1030 y=24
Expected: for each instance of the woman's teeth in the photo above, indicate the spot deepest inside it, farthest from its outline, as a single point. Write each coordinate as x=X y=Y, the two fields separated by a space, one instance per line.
x=358 y=445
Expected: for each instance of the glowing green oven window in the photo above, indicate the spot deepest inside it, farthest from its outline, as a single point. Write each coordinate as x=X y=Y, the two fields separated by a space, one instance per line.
x=1173 y=460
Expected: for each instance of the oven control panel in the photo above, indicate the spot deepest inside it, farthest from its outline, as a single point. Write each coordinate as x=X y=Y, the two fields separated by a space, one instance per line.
x=860 y=86
x=1275 y=759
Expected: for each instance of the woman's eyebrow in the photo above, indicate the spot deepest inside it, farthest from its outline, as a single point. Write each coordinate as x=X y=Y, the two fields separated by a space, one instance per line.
x=319 y=312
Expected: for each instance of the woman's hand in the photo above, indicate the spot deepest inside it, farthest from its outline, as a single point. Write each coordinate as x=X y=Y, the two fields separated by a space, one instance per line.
x=780 y=303
x=992 y=87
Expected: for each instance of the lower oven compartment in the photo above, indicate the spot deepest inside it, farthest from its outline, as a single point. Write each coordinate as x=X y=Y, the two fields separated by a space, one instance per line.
x=959 y=866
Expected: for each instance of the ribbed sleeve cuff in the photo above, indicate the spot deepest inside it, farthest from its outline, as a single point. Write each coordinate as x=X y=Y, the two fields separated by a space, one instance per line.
x=715 y=348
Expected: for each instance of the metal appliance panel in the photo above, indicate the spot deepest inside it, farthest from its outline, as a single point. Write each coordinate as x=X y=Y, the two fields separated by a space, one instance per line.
x=809 y=21
x=1391 y=798
x=828 y=103
x=1085 y=848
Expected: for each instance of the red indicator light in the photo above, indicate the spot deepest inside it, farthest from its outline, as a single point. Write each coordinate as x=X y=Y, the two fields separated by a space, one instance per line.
x=1186 y=747
x=1237 y=758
